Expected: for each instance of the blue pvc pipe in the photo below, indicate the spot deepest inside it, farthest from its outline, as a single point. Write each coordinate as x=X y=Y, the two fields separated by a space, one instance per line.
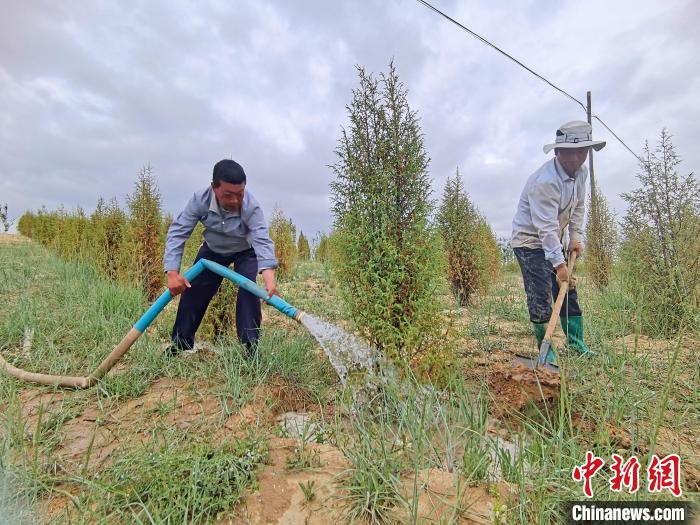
x=242 y=282
x=157 y=307
x=249 y=286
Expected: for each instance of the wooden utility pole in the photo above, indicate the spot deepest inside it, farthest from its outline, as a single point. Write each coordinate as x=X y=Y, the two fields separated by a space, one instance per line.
x=590 y=153
x=598 y=235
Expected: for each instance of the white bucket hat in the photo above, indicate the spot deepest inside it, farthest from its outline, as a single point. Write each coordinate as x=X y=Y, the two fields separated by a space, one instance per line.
x=575 y=134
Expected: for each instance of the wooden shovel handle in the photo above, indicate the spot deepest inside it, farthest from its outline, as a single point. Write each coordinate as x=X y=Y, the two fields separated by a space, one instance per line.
x=563 y=288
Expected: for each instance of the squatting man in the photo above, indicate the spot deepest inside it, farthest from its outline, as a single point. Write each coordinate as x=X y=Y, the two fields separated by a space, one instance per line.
x=550 y=206
x=235 y=232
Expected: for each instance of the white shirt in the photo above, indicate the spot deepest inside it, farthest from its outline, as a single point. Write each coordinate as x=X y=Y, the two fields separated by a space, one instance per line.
x=550 y=201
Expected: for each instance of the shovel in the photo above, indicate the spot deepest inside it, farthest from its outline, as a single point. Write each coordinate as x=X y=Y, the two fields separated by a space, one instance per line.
x=541 y=360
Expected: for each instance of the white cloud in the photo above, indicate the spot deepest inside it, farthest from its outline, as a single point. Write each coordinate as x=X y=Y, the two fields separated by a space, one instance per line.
x=91 y=92
x=282 y=128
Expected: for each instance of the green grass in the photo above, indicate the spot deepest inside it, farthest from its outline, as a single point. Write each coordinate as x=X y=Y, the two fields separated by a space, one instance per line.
x=309 y=490
x=312 y=288
x=172 y=480
x=75 y=323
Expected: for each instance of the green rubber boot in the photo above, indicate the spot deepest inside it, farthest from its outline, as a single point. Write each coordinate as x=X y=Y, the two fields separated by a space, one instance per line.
x=573 y=328
x=540 y=330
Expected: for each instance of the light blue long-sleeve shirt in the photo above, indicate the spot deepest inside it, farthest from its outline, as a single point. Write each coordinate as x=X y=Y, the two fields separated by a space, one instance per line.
x=224 y=232
x=550 y=202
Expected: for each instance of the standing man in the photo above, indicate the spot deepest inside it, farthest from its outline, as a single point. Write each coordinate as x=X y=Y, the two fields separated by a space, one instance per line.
x=551 y=204
x=235 y=232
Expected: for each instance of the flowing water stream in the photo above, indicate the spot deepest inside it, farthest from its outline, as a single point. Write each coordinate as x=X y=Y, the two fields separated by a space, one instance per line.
x=346 y=352
x=359 y=366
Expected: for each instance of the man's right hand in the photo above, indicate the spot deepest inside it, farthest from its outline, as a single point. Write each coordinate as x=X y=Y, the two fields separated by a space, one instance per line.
x=562 y=273
x=177 y=283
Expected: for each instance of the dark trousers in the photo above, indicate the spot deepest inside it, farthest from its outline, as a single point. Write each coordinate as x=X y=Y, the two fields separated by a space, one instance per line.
x=195 y=300
x=541 y=286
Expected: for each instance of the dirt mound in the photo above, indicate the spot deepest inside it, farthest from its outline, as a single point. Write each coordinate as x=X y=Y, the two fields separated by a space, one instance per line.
x=287 y=397
x=516 y=386
x=269 y=401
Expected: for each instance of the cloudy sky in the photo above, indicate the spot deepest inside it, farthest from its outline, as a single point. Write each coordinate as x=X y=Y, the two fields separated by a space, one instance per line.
x=92 y=91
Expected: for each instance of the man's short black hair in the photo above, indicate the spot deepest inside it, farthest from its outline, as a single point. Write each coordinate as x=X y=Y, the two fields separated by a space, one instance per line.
x=228 y=170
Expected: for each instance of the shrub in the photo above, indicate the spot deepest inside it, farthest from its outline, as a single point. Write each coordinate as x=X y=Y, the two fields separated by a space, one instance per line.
x=321 y=247
x=108 y=230
x=661 y=248
x=602 y=239
x=303 y=248
x=283 y=232
x=143 y=231
x=25 y=224
x=473 y=254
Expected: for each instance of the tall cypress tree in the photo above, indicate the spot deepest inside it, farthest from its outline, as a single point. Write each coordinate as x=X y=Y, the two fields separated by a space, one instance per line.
x=661 y=249
x=388 y=258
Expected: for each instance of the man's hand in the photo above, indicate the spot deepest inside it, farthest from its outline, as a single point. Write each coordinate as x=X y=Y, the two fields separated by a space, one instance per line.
x=268 y=276
x=562 y=273
x=577 y=247
x=177 y=283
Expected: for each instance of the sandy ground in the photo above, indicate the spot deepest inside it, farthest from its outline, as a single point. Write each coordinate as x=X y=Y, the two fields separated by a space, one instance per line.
x=93 y=439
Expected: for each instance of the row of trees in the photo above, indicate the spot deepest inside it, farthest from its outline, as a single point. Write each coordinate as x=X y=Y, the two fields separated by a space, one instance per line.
x=126 y=245
x=388 y=253
x=392 y=247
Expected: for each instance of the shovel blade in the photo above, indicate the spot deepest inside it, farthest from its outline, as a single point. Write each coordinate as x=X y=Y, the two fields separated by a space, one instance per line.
x=550 y=367
x=530 y=362
x=533 y=363
x=540 y=361
x=544 y=352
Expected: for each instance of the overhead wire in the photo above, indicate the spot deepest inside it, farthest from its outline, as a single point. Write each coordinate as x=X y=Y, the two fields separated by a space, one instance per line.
x=528 y=69
x=618 y=138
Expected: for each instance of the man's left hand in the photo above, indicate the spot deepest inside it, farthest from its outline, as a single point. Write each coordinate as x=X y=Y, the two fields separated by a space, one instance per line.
x=268 y=276
x=577 y=247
